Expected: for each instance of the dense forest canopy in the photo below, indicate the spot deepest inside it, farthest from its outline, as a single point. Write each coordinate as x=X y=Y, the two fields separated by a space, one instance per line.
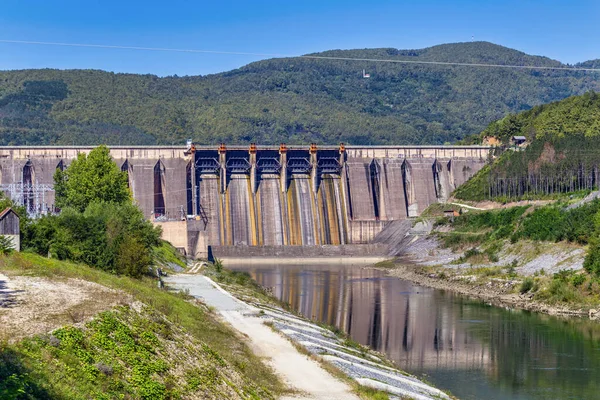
x=293 y=100
x=574 y=115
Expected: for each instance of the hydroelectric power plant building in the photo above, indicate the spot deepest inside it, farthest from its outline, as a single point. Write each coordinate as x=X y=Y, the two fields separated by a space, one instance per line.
x=262 y=200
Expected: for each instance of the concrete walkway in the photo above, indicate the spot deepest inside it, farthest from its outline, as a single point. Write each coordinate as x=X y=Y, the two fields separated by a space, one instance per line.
x=300 y=373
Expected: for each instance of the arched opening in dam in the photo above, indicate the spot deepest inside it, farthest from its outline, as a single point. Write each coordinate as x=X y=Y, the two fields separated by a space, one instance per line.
x=28 y=189
x=159 y=186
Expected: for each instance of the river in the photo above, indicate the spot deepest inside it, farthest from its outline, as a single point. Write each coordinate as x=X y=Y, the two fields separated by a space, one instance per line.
x=474 y=350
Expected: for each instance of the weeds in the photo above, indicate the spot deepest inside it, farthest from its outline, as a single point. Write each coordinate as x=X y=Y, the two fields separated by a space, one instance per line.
x=137 y=340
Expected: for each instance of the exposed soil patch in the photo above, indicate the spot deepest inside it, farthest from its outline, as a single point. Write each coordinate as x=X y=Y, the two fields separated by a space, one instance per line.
x=33 y=305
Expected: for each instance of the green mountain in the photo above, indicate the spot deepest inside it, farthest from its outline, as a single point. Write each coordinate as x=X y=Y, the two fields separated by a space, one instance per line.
x=563 y=154
x=293 y=100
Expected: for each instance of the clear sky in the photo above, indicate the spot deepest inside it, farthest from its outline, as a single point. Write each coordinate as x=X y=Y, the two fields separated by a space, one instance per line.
x=565 y=30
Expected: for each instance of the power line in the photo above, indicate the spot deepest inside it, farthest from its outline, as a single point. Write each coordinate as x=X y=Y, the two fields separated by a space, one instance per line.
x=377 y=60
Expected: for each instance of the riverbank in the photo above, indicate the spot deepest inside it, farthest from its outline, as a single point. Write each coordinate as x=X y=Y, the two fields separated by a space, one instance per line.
x=499 y=292
x=369 y=373
x=544 y=277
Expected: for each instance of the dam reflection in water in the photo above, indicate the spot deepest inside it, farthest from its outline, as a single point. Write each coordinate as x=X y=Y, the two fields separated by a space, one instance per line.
x=473 y=350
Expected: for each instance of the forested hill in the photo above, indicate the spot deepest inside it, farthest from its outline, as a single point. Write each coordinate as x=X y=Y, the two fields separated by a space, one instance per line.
x=293 y=100
x=574 y=115
x=563 y=154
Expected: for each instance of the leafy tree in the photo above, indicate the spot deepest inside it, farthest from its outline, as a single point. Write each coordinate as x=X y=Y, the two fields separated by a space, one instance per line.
x=99 y=225
x=89 y=178
x=592 y=258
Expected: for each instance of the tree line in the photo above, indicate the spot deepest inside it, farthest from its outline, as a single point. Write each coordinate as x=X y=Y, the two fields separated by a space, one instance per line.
x=293 y=100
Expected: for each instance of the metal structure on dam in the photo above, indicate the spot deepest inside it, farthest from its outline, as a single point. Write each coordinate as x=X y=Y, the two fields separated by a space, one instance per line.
x=261 y=196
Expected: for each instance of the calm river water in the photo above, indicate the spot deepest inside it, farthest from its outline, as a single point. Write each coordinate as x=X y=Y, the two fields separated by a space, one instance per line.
x=474 y=350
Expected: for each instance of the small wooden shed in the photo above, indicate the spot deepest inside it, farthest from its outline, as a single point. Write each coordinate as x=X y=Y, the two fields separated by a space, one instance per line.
x=9 y=227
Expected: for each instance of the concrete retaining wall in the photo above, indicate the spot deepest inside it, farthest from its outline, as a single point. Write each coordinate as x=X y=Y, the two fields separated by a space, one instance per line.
x=300 y=252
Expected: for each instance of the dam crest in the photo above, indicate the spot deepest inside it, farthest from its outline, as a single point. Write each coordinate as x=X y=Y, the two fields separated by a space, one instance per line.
x=227 y=198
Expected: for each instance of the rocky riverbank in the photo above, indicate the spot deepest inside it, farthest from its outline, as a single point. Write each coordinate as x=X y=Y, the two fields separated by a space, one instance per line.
x=427 y=262
x=498 y=292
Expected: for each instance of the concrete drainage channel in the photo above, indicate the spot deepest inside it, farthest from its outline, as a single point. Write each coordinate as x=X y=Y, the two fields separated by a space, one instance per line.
x=365 y=367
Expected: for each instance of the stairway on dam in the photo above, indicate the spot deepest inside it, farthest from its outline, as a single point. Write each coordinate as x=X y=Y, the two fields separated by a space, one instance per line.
x=265 y=198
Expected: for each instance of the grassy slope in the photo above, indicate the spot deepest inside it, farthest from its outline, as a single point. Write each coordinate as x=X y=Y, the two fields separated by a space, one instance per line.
x=171 y=349
x=293 y=100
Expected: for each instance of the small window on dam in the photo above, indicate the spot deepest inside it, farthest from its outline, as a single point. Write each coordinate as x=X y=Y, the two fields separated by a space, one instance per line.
x=159 y=184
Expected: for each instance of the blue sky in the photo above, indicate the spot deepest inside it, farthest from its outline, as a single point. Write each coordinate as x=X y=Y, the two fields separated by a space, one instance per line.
x=563 y=30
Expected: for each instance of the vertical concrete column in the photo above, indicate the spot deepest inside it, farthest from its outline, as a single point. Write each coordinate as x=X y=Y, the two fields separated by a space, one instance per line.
x=345 y=225
x=193 y=179
x=223 y=166
x=314 y=172
x=252 y=159
x=283 y=176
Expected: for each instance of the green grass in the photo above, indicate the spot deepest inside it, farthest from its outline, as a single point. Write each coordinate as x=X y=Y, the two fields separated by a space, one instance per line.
x=166 y=254
x=248 y=374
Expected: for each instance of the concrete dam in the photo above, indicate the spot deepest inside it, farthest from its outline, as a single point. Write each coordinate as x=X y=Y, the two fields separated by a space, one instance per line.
x=262 y=200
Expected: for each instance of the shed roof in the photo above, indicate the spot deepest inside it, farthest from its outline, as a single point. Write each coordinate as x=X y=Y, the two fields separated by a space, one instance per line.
x=6 y=211
x=519 y=138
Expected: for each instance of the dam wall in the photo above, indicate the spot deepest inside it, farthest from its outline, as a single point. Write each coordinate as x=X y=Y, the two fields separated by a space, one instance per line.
x=269 y=197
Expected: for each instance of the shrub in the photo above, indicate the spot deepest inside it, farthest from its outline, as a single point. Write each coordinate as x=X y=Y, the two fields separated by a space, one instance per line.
x=545 y=223
x=218 y=265
x=133 y=258
x=591 y=263
x=112 y=237
x=561 y=292
x=6 y=245
x=578 y=279
x=526 y=285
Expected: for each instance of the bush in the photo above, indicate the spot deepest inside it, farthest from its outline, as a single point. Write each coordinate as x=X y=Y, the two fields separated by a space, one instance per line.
x=544 y=223
x=561 y=292
x=526 y=285
x=218 y=265
x=112 y=237
x=591 y=263
x=578 y=280
x=133 y=259
x=6 y=245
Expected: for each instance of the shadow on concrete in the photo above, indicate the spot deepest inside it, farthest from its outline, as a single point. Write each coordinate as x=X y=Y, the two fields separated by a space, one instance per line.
x=8 y=297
